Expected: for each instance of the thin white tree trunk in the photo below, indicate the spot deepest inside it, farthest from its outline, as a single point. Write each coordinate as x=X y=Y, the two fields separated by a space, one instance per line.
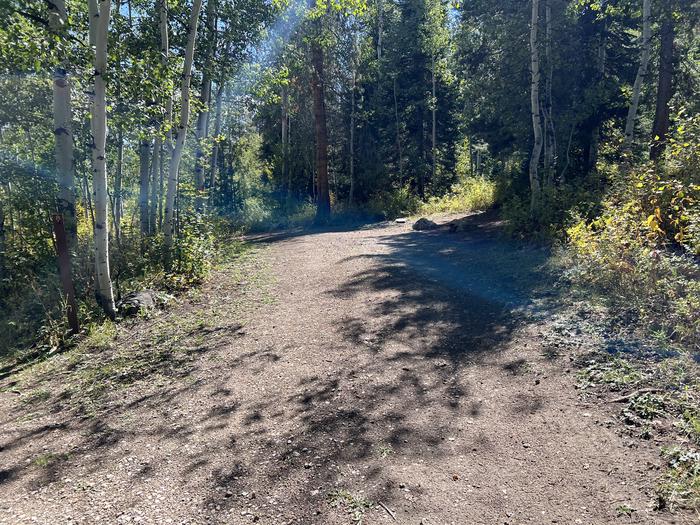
x=99 y=25
x=641 y=74
x=535 y=184
x=164 y=57
x=167 y=147
x=550 y=152
x=62 y=116
x=176 y=157
x=202 y=129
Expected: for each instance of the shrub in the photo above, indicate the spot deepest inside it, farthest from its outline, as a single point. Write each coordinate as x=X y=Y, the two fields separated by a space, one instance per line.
x=640 y=254
x=472 y=194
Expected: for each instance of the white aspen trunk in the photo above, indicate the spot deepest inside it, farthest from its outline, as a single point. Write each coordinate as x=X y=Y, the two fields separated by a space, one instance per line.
x=641 y=75
x=100 y=26
x=167 y=146
x=93 y=13
x=535 y=184
x=549 y=132
x=155 y=168
x=202 y=129
x=176 y=157
x=144 y=173
x=164 y=57
x=214 y=163
x=62 y=116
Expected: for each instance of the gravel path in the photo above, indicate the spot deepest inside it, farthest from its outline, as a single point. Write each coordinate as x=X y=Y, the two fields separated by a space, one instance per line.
x=338 y=376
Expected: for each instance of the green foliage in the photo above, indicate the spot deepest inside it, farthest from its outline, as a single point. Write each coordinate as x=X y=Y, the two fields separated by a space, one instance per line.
x=681 y=484
x=396 y=203
x=472 y=194
x=639 y=252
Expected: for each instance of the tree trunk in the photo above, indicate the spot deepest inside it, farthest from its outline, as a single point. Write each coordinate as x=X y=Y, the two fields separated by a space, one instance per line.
x=433 y=155
x=351 y=193
x=214 y=162
x=144 y=174
x=164 y=57
x=118 y=208
x=62 y=115
x=641 y=75
x=323 y=209
x=380 y=28
x=155 y=170
x=176 y=157
x=100 y=25
x=535 y=185
x=550 y=140
x=399 y=152
x=168 y=145
x=592 y=160
x=664 y=89
x=65 y=273
x=3 y=242
x=202 y=129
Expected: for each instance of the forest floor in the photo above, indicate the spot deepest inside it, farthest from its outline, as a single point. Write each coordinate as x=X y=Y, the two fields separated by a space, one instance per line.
x=375 y=375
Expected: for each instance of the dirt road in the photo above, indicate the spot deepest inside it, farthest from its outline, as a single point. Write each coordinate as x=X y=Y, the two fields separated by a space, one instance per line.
x=380 y=374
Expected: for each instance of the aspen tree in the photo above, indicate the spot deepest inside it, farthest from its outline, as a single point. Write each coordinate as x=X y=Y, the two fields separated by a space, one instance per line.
x=535 y=184
x=202 y=129
x=62 y=115
x=99 y=24
x=181 y=134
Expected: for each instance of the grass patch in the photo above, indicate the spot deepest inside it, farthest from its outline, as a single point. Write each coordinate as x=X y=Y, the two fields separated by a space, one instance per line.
x=680 y=486
x=384 y=450
x=356 y=506
x=472 y=194
x=47 y=459
x=614 y=372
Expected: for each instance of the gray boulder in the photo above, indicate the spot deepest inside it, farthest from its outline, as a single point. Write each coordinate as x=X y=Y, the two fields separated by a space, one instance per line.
x=134 y=303
x=424 y=224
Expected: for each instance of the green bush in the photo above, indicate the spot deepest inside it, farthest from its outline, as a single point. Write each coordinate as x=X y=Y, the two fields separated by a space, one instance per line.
x=396 y=203
x=472 y=194
x=640 y=253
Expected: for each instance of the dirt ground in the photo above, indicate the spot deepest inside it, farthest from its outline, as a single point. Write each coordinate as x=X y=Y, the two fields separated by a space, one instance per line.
x=375 y=375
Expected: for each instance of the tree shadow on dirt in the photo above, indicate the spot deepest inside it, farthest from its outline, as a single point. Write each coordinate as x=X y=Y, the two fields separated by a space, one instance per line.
x=417 y=316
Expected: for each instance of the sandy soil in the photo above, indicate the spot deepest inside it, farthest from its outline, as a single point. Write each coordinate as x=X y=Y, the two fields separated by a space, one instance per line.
x=377 y=371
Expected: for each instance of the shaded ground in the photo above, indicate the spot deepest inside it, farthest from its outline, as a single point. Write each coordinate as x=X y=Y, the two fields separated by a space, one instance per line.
x=372 y=372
